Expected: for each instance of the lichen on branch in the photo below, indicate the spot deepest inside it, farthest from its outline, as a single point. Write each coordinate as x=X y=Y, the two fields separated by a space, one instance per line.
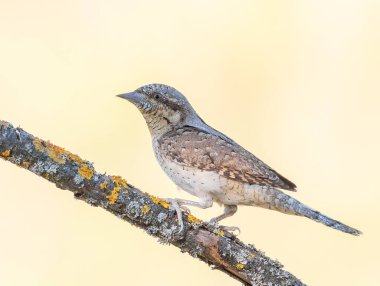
x=68 y=171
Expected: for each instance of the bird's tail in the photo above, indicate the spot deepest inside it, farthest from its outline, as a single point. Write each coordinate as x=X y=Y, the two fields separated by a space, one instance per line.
x=321 y=218
x=280 y=201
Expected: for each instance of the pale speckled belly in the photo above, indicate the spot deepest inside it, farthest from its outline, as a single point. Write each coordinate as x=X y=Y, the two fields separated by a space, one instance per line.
x=203 y=184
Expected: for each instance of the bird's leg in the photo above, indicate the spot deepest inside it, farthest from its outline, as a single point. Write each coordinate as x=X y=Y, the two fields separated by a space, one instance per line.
x=204 y=203
x=178 y=205
x=175 y=205
x=229 y=210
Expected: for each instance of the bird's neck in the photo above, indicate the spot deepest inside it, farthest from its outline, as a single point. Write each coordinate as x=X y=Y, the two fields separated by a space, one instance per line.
x=158 y=125
x=161 y=122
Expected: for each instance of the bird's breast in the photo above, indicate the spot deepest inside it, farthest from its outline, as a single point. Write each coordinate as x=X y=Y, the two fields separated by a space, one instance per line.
x=192 y=180
x=200 y=183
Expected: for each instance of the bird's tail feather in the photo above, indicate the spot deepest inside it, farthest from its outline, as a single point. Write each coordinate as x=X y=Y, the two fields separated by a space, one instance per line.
x=282 y=202
x=321 y=218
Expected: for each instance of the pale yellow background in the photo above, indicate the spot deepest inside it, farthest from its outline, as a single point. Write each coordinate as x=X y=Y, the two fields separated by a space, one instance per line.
x=295 y=82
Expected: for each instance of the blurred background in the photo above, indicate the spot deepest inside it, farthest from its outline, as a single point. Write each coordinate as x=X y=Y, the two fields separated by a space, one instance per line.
x=294 y=82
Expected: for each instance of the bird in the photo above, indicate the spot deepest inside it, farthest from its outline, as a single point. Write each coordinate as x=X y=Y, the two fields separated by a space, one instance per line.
x=209 y=165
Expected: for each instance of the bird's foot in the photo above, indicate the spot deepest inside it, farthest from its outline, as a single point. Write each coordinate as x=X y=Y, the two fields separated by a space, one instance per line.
x=232 y=229
x=182 y=207
x=178 y=209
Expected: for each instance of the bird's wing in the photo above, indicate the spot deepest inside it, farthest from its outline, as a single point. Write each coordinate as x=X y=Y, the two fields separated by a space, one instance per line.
x=190 y=146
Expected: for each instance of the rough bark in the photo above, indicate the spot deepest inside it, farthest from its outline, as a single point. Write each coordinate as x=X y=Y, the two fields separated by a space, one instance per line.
x=221 y=250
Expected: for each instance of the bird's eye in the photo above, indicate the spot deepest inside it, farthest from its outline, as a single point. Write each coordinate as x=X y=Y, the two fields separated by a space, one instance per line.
x=157 y=96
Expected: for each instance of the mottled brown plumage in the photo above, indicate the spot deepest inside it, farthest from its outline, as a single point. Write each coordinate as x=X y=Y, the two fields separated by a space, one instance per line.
x=191 y=147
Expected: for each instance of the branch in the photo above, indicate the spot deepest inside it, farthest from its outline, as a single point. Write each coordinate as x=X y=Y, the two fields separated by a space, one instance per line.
x=221 y=250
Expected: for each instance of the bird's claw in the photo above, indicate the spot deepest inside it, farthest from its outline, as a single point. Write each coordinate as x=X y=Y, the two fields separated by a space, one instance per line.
x=175 y=202
x=185 y=209
x=232 y=229
x=178 y=209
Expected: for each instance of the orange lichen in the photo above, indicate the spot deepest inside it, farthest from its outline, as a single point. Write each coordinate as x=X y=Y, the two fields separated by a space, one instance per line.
x=26 y=164
x=57 y=154
x=159 y=201
x=114 y=195
x=239 y=266
x=104 y=185
x=6 y=153
x=193 y=219
x=119 y=183
x=37 y=142
x=220 y=232
x=145 y=210
x=86 y=172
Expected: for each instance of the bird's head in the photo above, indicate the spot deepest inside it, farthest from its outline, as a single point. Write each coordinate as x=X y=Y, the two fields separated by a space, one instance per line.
x=162 y=106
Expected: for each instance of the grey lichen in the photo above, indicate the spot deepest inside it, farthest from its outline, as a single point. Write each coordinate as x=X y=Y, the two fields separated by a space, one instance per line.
x=38 y=167
x=78 y=179
x=161 y=217
x=51 y=168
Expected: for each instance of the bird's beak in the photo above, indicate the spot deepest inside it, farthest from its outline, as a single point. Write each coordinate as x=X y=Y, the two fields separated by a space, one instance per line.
x=133 y=97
